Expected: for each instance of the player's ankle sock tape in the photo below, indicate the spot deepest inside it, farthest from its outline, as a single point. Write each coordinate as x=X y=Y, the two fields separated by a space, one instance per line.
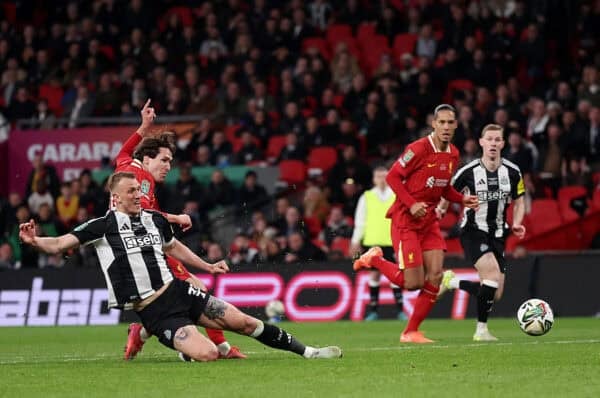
x=278 y=338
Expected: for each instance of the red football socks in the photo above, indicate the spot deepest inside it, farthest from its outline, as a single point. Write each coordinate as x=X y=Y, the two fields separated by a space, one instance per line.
x=389 y=269
x=216 y=336
x=423 y=305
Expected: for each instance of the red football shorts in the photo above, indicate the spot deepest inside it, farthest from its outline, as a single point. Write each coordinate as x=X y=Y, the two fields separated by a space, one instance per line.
x=178 y=269
x=409 y=244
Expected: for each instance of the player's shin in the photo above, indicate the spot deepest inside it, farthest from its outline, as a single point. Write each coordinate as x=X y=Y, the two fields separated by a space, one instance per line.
x=423 y=305
x=389 y=269
x=485 y=299
x=277 y=338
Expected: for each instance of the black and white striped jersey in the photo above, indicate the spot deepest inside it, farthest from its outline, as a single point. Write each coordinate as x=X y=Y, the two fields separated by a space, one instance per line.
x=130 y=250
x=495 y=190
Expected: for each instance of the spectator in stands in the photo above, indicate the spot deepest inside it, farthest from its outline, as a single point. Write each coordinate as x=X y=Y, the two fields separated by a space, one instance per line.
x=21 y=107
x=6 y=256
x=187 y=189
x=43 y=118
x=344 y=68
x=320 y=13
x=518 y=153
x=67 y=205
x=251 y=195
x=221 y=150
x=202 y=101
x=48 y=223
x=39 y=196
x=469 y=152
x=203 y=157
x=242 y=251
x=292 y=120
x=589 y=89
x=292 y=150
x=214 y=252
x=299 y=250
x=221 y=189
x=348 y=166
x=552 y=157
x=349 y=197
x=23 y=255
x=315 y=205
x=426 y=45
x=291 y=223
x=337 y=226
x=585 y=138
x=82 y=107
x=576 y=173
x=249 y=151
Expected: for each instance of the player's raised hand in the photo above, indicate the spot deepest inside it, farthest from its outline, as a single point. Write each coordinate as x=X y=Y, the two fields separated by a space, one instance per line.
x=27 y=232
x=471 y=201
x=418 y=209
x=519 y=230
x=148 y=116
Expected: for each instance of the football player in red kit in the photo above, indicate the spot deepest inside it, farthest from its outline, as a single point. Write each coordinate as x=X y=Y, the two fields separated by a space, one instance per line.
x=151 y=162
x=419 y=178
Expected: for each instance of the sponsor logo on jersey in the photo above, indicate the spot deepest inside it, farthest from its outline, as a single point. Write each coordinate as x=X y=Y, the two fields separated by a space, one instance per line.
x=411 y=257
x=125 y=227
x=145 y=187
x=481 y=182
x=430 y=165
x=436 y=182
x=488 y=196
x=142 y=241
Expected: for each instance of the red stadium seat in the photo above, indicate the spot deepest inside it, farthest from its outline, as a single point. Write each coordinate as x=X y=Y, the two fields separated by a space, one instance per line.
x=322 y=157
x=318 y=43
x=274 y=146
x=565 y=196
x=108 y=51
x=596 y=199
x=292 y=172
x=544 y=216
x=404 y=43
x=342 y=245
x=338 y=31
x=365 y=32
x=457 y=85
x=53 y=94
x=231 y=132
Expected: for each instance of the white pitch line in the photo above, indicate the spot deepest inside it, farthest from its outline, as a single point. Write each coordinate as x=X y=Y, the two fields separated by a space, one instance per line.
x=167 y=355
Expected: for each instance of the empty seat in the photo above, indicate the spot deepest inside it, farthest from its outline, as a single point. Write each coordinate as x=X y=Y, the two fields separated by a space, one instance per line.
x=292 y=172
x=544 y=216
x=322 y=157
x=565 y=197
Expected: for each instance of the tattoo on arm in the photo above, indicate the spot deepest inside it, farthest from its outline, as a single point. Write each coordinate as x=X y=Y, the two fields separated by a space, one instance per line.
x=215 y=308
x=181 y=334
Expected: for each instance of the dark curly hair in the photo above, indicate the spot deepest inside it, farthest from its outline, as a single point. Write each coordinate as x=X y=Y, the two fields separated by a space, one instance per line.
x=150 y=146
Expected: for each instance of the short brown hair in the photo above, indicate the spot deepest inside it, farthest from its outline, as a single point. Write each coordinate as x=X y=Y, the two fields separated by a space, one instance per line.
x=150 y=146
x=492 y=127
x=115 y=178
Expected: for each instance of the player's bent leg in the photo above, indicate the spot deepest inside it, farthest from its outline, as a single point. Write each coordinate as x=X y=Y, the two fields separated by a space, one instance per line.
x=414 y=278
x=220 y=314
x=194 y=345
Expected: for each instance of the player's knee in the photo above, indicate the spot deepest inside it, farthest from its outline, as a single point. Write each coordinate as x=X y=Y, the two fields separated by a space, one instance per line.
x=435 y=277
x=205 y=354
x=249 y=325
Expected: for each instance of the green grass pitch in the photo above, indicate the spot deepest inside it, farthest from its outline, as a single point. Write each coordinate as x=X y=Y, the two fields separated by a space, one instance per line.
x=86 y=362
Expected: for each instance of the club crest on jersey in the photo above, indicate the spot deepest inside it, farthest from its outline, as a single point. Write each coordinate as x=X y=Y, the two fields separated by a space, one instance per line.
x=407 y=157
x=145 y=187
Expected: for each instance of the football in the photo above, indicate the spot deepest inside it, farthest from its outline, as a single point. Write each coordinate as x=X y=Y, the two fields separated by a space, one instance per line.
x=274 y=310
x=535 y=317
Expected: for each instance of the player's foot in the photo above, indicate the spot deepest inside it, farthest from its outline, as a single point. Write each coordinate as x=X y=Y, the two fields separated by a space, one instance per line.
x=484 y=336
x=402 y=316
x=445 y=285
x=234 y=353
x=323 y=353
x=364 y=261
x=415 y=337
x=371 y=316
x=134 y=341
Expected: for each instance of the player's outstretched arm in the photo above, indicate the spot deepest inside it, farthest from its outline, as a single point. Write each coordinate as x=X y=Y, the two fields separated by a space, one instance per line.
x=48 y=245
x=182 y=253
x=518 y=213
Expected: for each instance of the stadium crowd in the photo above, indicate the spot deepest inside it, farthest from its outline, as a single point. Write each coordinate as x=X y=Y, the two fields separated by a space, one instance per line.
x=359 y=76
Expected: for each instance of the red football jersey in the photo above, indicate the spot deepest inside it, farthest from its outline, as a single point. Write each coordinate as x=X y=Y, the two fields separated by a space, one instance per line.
x=425 y=173
x=125 y=162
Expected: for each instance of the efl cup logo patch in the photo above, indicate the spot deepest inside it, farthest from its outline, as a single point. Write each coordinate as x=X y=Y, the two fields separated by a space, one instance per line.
x=145 y=187
x=407 y=157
